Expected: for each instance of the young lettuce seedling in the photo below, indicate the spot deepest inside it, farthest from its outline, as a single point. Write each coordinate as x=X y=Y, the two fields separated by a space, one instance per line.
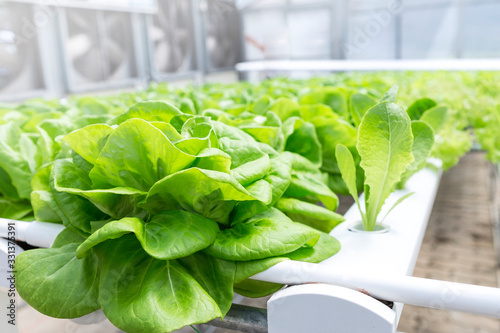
x=427 y=119
x=385 y=146
x=423 y=141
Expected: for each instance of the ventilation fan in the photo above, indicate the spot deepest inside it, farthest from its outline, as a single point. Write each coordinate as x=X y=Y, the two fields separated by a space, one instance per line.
x=222 y=35
x=99 y=46
x=172 y=35
x=20 y=68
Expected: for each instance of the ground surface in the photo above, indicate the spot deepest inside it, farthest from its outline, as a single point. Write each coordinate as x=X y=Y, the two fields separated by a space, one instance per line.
x=458 y=246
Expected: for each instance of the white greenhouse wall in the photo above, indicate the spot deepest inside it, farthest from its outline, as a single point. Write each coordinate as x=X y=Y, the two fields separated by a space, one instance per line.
x=381 y=29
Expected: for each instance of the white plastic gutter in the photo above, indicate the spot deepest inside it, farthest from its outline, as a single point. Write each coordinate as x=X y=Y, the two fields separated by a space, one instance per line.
x=371 y=65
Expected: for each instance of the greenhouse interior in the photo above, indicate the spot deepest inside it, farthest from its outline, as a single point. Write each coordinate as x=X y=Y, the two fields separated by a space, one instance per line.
x=281 y=166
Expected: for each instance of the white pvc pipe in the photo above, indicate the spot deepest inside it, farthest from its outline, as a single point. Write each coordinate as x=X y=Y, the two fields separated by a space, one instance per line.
x=371 y=65
x=405 y=289
x=40 y=234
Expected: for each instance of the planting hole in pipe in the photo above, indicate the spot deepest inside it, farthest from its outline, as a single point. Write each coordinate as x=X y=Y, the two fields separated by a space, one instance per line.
x=379 y=228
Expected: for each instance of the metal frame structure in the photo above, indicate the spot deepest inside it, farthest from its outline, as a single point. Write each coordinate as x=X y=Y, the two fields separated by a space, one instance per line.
x=59 y=81
x=71 y=86
x=202 y=67
x=152 y=73
x=206 y=68
x=50 y=74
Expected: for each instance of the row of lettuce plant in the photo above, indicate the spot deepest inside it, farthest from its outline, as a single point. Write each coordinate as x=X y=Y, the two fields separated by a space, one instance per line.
x=166 y=214
x=171 y=206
